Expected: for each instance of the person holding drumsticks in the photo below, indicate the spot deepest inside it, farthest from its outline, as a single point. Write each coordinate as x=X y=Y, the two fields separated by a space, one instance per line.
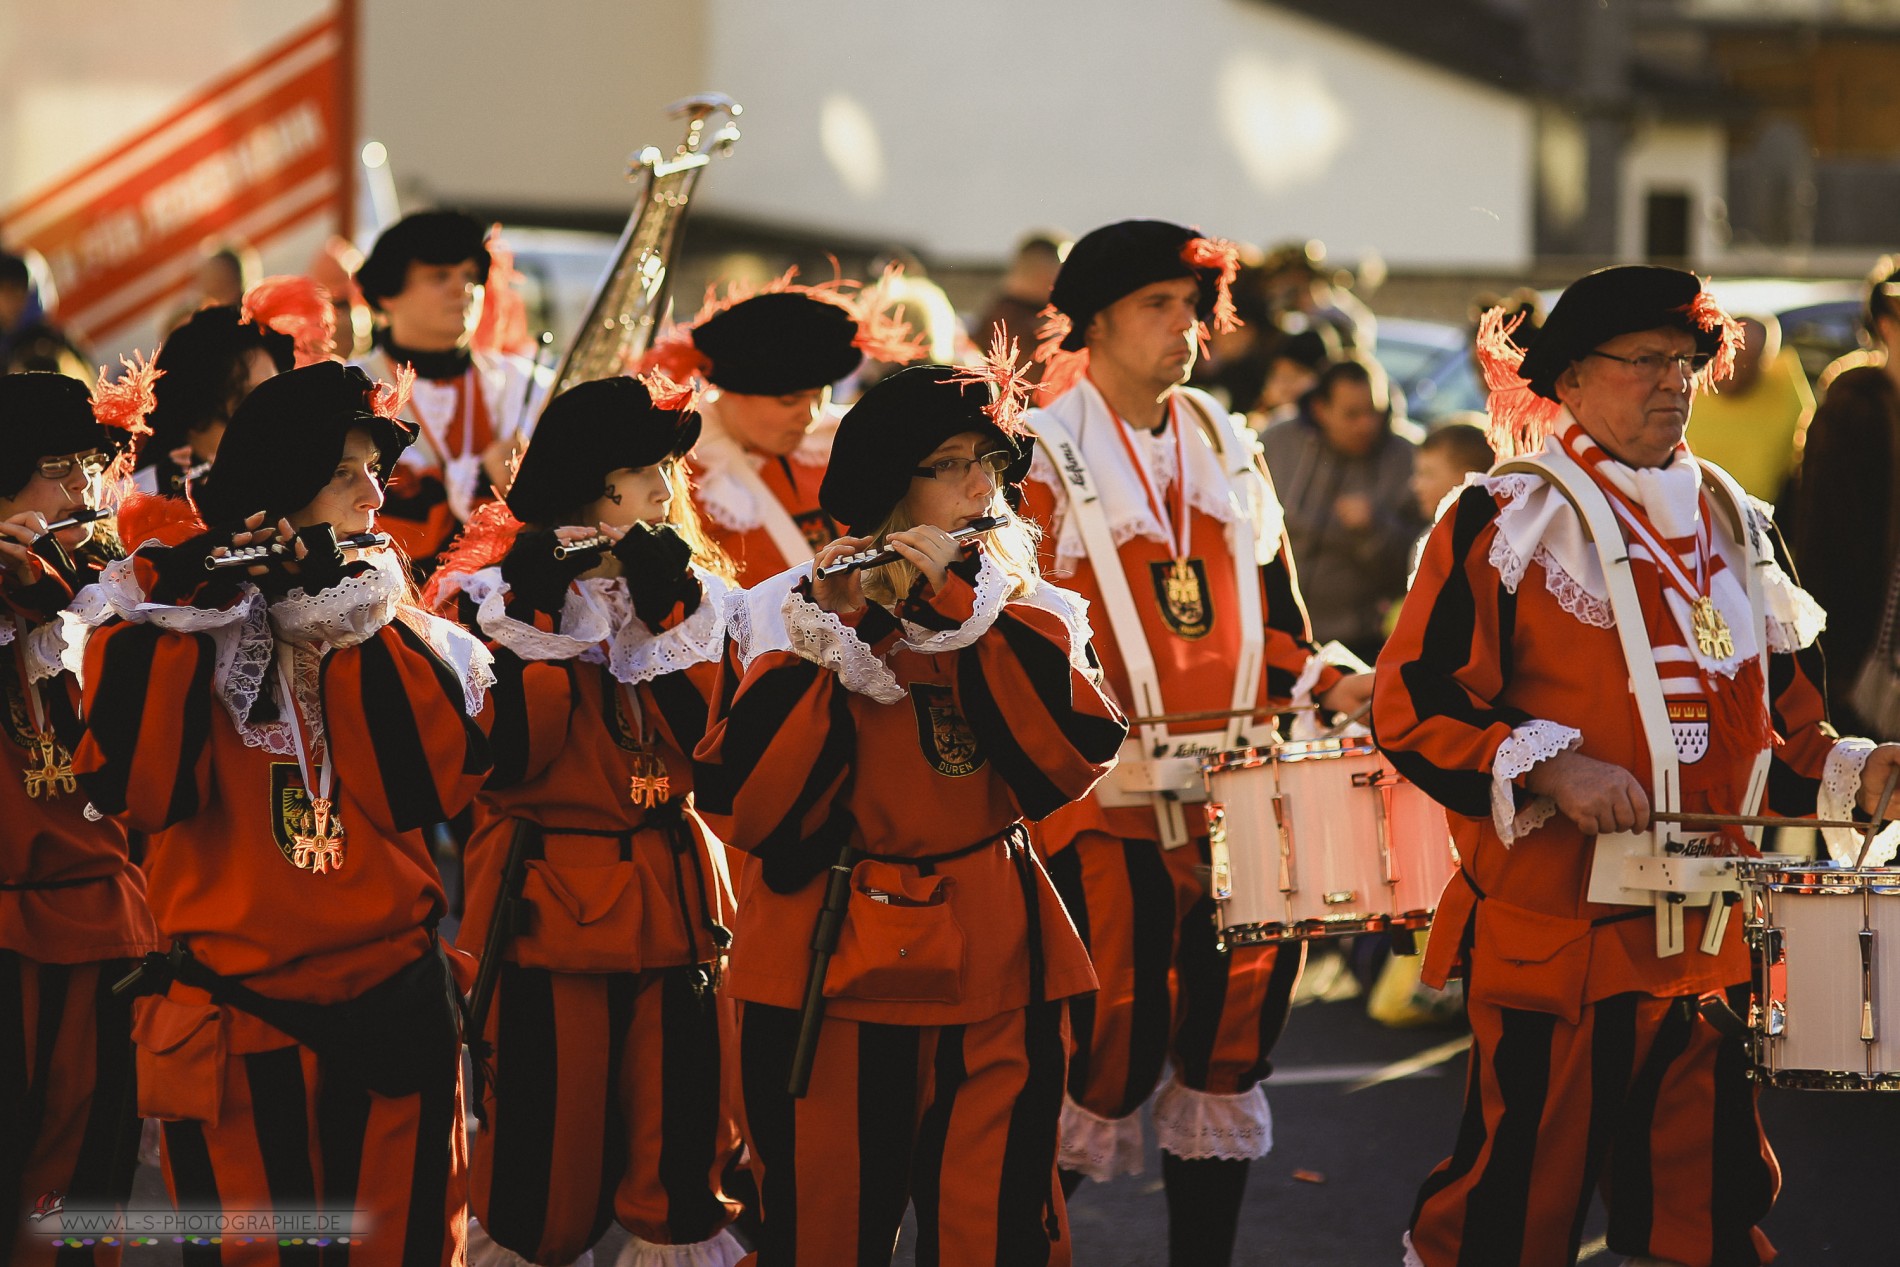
x=1600 y=551
x=1181 y=551
x=893 y=727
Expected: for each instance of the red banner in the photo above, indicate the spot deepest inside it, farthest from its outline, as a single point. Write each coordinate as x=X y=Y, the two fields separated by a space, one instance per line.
x=252 y=156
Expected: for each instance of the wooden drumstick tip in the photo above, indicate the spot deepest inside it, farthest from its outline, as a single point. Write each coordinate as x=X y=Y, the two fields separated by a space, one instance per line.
x=1879 y=819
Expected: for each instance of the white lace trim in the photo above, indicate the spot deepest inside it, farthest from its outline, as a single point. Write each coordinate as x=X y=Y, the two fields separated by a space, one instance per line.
x=637 y=654
x=1571 y=594
x=1101 y=1148
x=1074 y=611
x=1199 y=1125
x=1838 y=798
x=583 y=615
x=6 y=630
x=992 y=592
x=725 y=494
x=723 y=1250
x=1795 y=620
x=1411 y=1255
x=485 y=1251
x=755 y=617
x=44 y=650
x=821 y=637
x=349 y=612
x=1533 y=742
x=116 y=595
x=471 y=661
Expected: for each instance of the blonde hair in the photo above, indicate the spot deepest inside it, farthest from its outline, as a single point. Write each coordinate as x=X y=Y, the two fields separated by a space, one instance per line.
x=1012 y=547
x=683 y=514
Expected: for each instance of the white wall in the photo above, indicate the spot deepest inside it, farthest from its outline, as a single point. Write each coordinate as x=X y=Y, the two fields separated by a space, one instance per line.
x=955 y=125
x=1673 y=158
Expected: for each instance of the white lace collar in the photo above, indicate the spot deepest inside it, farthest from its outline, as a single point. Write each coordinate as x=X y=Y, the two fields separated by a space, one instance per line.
x=349 y=612
x=599 y=626
x=726 y=483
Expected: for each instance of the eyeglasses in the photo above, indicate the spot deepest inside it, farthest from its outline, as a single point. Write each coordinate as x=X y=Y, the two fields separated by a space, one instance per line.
x=1651 y=365
x=59 y=468
x=955 y=470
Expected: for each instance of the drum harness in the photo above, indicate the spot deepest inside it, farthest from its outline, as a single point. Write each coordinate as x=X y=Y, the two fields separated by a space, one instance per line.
x=1152 y=769
x=1630 y=868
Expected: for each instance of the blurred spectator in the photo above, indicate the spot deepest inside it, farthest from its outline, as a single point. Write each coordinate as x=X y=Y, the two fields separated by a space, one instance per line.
x=1847 y=512
x=229 y=271
x=1343 y=469
x=1293 y=365
x=1233 y=366
x=334 y=268
x=1750 y=425
x=1303 y=293
x=207 y=367
x=28 y=338
x=1025 y=293
x=16 y=295
x=1446 y=456
x=44 y=347
x=922 y=305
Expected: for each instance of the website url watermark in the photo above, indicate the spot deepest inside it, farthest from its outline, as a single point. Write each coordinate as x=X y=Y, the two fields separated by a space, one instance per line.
x=53 y=1219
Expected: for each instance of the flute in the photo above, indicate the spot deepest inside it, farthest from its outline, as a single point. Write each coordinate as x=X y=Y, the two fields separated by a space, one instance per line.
x=599 y=541
x=196 y=471
x=246 y=556
x=878 y=558
x=74 y=520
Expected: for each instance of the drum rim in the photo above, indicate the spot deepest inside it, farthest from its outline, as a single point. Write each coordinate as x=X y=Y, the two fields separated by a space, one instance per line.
x=1263 y=932
x=1290 y=751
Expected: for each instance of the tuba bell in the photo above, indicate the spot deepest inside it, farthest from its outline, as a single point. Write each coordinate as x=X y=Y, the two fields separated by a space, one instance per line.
x=631 y=297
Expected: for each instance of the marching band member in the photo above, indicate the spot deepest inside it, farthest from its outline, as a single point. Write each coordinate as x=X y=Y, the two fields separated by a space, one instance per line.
x=424 y=279
x=770 y=360
x=1610 y=555
x=897 y=726
x=610 y=1049
x=284 y=739
x=208 y=365
x=1155 y=507
x=72 y=905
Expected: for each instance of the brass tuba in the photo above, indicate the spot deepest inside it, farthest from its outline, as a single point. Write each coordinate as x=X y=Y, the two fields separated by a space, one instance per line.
x=631 y=297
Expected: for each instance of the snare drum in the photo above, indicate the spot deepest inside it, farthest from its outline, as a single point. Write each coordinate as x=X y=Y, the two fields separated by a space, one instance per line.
x=1321 y=839
x=1826 y=1012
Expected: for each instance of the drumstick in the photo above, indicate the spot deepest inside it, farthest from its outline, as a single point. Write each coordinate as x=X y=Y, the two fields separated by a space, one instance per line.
x=1754 y=820
x=1219 y=714
x=1365 y=710
x=1880 y=817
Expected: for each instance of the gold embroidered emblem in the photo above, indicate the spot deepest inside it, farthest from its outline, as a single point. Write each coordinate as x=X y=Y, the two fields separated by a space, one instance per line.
x=55 y=772
x=1712 y=637
x=944 y=733
x=1181 y=589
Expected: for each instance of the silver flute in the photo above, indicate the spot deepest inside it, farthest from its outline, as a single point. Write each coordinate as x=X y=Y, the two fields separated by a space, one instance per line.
x=567 y=549
x=246 y=556
x=878 y=558
x=74 y=520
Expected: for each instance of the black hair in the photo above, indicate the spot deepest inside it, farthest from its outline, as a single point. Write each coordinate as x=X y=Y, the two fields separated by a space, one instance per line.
x=13 y=270
x=1883 y=295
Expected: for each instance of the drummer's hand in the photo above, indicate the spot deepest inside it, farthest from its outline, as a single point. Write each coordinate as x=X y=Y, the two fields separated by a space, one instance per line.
x=1881 y=763
x=840 y=593
x=1348 y=695
x=1598 y=797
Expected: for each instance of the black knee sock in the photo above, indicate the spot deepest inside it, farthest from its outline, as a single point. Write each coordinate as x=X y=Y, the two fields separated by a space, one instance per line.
x=1203 y=1209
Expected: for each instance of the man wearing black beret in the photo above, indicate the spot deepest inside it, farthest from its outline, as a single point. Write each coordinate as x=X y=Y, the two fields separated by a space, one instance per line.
x=1603 y=990
x=1181 y=553
x=425 y=279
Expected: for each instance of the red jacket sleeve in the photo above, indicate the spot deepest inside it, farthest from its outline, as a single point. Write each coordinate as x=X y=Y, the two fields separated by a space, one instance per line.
x=146 y=754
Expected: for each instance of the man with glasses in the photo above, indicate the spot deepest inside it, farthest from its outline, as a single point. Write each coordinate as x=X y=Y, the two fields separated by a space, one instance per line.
x=1155 y=507
x=72 y=905
x=1606 y=1052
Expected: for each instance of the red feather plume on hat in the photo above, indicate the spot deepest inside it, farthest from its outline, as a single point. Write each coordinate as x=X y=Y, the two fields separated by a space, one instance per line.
x=667 y=393
x=1062 y=369
x=1008 y=383
x=483 y=542
x=388 y=400
x=1217 y=253
x=1710 y=318
x=126 y=403
x=298 y=307
x=144 y=517
x=882 y=335
x=1520 y=418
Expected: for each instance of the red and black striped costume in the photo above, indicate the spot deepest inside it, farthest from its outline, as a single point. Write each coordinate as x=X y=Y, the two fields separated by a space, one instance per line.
x=924 y=743
x=611 y=1051
x=1591 y=1068
x=1167 y=995
x=728 y=505
x=254 y=1119
x=72 y=918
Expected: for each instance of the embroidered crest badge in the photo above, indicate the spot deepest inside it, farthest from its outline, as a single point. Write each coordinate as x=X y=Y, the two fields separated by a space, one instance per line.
x=1689 y=724
x=944 y=735
x=1181 y=590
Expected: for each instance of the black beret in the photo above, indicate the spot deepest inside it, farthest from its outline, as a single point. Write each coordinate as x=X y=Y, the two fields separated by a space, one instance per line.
x=282 y=444
x=1610 y=302
x=588 y=432
x=778 y=343
x=1119 y=259
x=43 y=414
x=427 y=237
x=200 y=362
x=894 y=426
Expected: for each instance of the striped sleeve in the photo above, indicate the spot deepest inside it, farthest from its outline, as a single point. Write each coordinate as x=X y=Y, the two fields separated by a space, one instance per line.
x=1036 y=708
x=401 y=737
x=1435 y=711
x=530 y=708
x=146 y=753
x=775 y=756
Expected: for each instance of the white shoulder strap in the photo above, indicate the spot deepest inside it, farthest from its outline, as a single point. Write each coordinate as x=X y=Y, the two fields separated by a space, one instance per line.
x=1237 y=459
x=1732 y=500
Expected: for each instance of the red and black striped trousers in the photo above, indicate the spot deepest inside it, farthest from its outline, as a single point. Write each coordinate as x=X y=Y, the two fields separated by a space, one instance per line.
x=68 y=1114
x=1642 y=1100
x=959 y=1119
x=287 y=1138
x=1167 y=994
x=610 y=1100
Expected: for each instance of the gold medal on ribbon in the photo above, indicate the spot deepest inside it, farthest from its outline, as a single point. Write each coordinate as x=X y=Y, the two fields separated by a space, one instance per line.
x=1712 y=637
x=317 y=844
x=54 y=774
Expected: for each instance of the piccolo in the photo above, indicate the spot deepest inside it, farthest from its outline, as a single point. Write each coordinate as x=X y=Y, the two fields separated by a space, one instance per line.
x=73 y=521
x=246 y=556
x=567 y=549
x=878 y=558
x=196 y=471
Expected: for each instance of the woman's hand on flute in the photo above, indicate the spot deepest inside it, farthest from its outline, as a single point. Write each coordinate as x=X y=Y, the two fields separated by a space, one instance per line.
x=841 y=594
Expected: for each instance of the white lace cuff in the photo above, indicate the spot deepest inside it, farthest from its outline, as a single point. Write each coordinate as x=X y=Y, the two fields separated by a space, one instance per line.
x=639 y=655
x=1411 y=1255
x=44 y=649
x=722 y=1250
x=584 y=622
x=485 y=1251
x=992 y=591
x=1101 y=1148
x=349 y=612
x=472 y=663
x=1795 y=620
x=1074 y=611
x=116 y=595
x=1839 y=794
x=1199 y=1125
x=819 y=636
x=1523 y=748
